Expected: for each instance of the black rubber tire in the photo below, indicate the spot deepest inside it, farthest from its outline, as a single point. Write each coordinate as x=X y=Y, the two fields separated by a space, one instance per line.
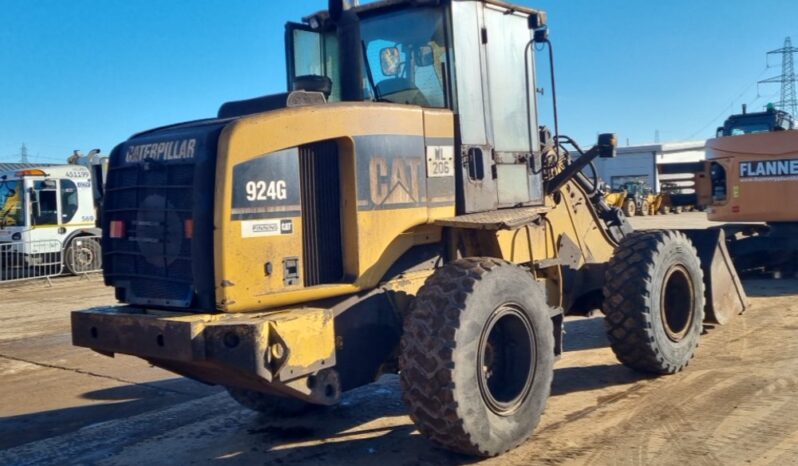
x=641 y=309
x=629 y=208
x=441 y=372
x=83 y=255
x=643 y=209
x=271 y=405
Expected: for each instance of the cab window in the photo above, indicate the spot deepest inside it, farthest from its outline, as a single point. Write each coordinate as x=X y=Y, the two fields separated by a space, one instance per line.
x=11 y=211
x=315 y=53
x=406 y=55
x=69 y=200
x=44 y=203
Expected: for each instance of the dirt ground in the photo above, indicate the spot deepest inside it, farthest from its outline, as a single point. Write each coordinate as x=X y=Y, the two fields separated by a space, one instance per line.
x=737 y=402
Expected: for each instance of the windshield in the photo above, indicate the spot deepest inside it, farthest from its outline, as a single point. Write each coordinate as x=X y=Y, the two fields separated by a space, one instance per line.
x=11 y=195
x=749 y=129
x=406 y=54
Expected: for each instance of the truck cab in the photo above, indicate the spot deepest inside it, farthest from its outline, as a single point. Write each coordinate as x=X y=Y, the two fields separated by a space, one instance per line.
x=42 y=211
x=769 y=121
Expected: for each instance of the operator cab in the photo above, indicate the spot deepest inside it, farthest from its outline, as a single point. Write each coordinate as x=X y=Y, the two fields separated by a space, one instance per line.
x=473 y=57
x=770 y=120
x=43 y=198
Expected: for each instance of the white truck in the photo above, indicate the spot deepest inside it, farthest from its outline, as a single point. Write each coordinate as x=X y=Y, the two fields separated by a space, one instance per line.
x=49 y=216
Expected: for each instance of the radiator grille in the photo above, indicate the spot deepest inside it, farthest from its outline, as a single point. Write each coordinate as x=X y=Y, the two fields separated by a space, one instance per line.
x=321 y=213
x=154 y=201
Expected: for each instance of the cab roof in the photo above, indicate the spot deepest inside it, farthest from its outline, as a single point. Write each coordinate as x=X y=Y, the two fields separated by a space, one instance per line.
x=390 y=4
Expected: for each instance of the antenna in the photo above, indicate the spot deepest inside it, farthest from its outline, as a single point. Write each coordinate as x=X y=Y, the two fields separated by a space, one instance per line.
x=789 y=102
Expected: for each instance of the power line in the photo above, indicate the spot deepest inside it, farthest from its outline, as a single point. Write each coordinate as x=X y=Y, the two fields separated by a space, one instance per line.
x=789 y=102
x=729 y=107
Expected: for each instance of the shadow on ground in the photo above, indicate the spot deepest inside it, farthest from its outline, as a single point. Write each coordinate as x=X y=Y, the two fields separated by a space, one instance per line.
x=202 y=424
x=584 y=334
x=121 y=402
x=761 y=288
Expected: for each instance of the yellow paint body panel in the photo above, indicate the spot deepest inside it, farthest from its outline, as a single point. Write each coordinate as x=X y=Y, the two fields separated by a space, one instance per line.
x=372 y=239
x=308 y=340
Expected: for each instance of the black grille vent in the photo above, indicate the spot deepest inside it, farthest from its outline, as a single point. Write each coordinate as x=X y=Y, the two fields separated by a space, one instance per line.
x=321 y=213
x=154 y=201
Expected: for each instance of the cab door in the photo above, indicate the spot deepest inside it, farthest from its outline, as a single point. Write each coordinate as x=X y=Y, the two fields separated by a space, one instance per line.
x=511 y=115
x=496 y=108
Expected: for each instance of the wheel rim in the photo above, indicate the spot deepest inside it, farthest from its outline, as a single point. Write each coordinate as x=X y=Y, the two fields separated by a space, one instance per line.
x=84 y=257
x=677 y=303
x=506 y=363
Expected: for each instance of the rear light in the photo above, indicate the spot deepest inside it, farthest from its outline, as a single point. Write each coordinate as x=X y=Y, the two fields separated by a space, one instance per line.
x=117 y=229
x=736 y=209
x=188 y=228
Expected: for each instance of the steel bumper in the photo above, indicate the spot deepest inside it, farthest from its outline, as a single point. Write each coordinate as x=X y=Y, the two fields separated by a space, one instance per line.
x=291 y=352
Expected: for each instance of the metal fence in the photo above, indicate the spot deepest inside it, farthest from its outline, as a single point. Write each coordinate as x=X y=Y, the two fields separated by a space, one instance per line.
x=45 y=259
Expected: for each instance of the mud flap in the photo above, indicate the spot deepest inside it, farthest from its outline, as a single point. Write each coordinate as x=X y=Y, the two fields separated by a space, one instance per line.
x=725 y=296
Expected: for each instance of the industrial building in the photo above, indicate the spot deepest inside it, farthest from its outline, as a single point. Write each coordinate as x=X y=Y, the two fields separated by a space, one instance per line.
x=639 y=163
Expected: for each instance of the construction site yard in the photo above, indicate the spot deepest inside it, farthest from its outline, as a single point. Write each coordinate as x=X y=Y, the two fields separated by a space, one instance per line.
x=736 y=403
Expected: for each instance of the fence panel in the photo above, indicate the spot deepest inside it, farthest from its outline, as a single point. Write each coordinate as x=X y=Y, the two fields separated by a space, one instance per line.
x=28 y=260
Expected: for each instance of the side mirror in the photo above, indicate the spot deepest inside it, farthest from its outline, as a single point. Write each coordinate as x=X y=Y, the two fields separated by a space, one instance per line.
x=34 y=202
x=607 y=143
x=537 y=20
x=11 y=193
x=424 y=56
x=541 y=35
x=389 y=61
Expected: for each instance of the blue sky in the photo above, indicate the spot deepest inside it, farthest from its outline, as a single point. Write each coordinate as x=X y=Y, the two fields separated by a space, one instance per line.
x=89 y=73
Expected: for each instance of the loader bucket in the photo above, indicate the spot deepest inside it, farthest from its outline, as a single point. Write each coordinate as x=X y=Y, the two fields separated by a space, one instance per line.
x=725 y=296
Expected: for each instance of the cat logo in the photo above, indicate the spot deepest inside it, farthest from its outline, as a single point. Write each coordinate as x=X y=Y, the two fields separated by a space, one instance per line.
x=395 y=180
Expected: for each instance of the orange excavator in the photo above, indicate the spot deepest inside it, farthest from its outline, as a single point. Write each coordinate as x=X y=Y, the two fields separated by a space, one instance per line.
x=750 y=179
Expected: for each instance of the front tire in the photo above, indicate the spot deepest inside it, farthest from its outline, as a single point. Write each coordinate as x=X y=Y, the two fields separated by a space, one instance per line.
x=83 y=255
x=477 y=356
x=644 y=209
x=654 y=301
x=629 y=208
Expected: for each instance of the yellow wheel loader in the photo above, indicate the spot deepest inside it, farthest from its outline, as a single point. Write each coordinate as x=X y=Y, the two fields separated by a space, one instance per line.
x=398 y=210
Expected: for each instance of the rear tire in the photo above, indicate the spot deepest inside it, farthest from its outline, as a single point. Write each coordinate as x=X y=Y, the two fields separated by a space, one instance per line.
x=477 y=356
x=83 y=255
x=654 y=301
x=271 y=405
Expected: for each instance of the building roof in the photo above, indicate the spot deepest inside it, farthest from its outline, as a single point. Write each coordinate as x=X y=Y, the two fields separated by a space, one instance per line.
x=10 y=167
x=664 y=147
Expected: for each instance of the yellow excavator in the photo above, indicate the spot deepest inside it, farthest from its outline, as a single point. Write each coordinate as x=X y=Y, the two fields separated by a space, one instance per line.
x=399 y=209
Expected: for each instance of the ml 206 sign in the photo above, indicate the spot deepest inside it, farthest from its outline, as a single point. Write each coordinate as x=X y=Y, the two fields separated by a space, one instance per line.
x=769 y=170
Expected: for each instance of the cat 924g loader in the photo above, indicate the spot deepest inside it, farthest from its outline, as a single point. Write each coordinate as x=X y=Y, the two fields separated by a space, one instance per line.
x=398 y=210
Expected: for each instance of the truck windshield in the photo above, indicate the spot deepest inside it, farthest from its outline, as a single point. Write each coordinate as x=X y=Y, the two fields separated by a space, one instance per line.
x=406 y=54
x=749 y=128
x=11 y=205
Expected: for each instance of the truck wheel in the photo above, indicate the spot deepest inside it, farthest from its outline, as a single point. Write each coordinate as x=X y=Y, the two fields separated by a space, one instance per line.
x=644 y=209
x=629 y=208
x=654 y=301
x=83 y=255
x=477 y=356
x=272 y=405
